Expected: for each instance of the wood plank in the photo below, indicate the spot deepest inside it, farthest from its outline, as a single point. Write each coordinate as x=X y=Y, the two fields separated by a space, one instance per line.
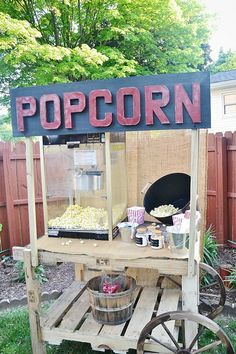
x=79 y=271
x=9 y=177
x=18 y=253
x=169 y=302
x=108 y=184
x=62 y=304
x=22 y=157
x=115 y=343
x=165 y=266
x=90 y=326
x=173 y=282
x=117 y=330
x=144 y=277
x=73 y=317
x=44 y=188
x=33 y=297
x=143 y=312
x=202 y=184
x=190 y=298
x=31 y=201
x=25 y=201
x=193 y=199
x=221 y=190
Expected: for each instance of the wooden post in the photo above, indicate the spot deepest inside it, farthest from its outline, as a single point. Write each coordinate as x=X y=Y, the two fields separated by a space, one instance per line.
x=190 y=296
x=231 y=187
x=202 y=183
x=190 y=283
x=44 y=188
x=33 y=296
x=31 y=201
x=108 y=184
x=79 y=271
x=193 y=200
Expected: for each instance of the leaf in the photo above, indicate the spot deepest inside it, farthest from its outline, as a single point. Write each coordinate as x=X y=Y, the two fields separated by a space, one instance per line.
x=63 y=41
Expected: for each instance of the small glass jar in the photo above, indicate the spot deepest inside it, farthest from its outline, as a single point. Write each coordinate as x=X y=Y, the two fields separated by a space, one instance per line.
x=164 y=233
x=150 y=231
x=141 y=237
x=157 y=240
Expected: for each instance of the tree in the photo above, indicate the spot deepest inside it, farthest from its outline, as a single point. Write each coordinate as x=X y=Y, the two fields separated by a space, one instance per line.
x=48 y=41
x=225 y=61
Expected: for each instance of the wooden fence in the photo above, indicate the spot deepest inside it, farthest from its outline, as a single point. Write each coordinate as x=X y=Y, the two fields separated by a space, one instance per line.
x=221 y=194
x=13 y=195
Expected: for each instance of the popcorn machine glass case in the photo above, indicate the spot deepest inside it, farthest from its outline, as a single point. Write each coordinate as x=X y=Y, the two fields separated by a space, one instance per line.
x=86 y=185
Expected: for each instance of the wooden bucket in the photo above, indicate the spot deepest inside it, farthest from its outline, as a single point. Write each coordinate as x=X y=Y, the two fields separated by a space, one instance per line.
x=111 y=309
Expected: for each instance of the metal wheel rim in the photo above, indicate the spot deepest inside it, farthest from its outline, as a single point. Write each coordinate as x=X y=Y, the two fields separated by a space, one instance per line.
x=218 y=309
x=203 y=321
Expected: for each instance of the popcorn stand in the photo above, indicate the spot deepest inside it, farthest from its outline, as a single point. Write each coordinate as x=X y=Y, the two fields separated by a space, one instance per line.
x=139 y=279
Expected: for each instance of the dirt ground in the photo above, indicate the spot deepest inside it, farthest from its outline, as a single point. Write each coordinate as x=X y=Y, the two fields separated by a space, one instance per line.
x=60 y=277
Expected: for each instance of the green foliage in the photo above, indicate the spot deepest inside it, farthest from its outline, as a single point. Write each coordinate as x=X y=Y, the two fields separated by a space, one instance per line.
x=226 y=61
x=232 y=277
x=39 y=273
x=5 y=128
x=15 y=336
x=14 y=332
x=0 y=227
x=229 y=327
x=44 y=41
x=210 y=251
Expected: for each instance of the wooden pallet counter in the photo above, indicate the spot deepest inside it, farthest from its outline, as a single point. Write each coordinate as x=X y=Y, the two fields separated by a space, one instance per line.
x=111 y=255
x=70 y=318
x=115 y=255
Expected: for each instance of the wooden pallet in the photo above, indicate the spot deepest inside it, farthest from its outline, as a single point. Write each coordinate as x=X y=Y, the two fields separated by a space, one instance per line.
x=70 y=318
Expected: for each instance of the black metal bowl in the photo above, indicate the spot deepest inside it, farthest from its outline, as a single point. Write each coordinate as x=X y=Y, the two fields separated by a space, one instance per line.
x=170 y=189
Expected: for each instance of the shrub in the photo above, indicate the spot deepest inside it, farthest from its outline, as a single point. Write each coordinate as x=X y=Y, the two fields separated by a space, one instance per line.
x=39 y=273
x=232 y=277
x=210 y=251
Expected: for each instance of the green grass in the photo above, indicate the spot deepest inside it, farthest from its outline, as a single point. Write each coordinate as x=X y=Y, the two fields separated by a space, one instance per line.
x=15 y=336
x=14 y=332
x=229 y=327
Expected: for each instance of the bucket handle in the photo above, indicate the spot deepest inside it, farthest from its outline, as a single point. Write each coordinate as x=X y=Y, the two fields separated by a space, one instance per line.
x=145 y=188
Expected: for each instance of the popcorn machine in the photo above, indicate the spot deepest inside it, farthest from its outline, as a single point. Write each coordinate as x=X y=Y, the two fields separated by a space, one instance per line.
x=86 y=186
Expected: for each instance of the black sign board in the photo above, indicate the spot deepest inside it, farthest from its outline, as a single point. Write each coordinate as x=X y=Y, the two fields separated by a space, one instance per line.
x=157 y=102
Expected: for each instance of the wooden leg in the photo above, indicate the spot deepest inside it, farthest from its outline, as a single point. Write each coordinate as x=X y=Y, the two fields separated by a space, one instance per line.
x=144 y=277
x=79 y=272
x=190 y=299
x=33 y=295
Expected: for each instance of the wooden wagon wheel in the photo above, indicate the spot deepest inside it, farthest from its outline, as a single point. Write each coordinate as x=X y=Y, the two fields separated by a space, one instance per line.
x=211 y=303
x=216 y=336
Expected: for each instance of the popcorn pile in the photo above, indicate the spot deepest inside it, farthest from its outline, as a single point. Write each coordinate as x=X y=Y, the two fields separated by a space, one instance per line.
x=77 y=217
x=89 y=218
x=163 y=211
